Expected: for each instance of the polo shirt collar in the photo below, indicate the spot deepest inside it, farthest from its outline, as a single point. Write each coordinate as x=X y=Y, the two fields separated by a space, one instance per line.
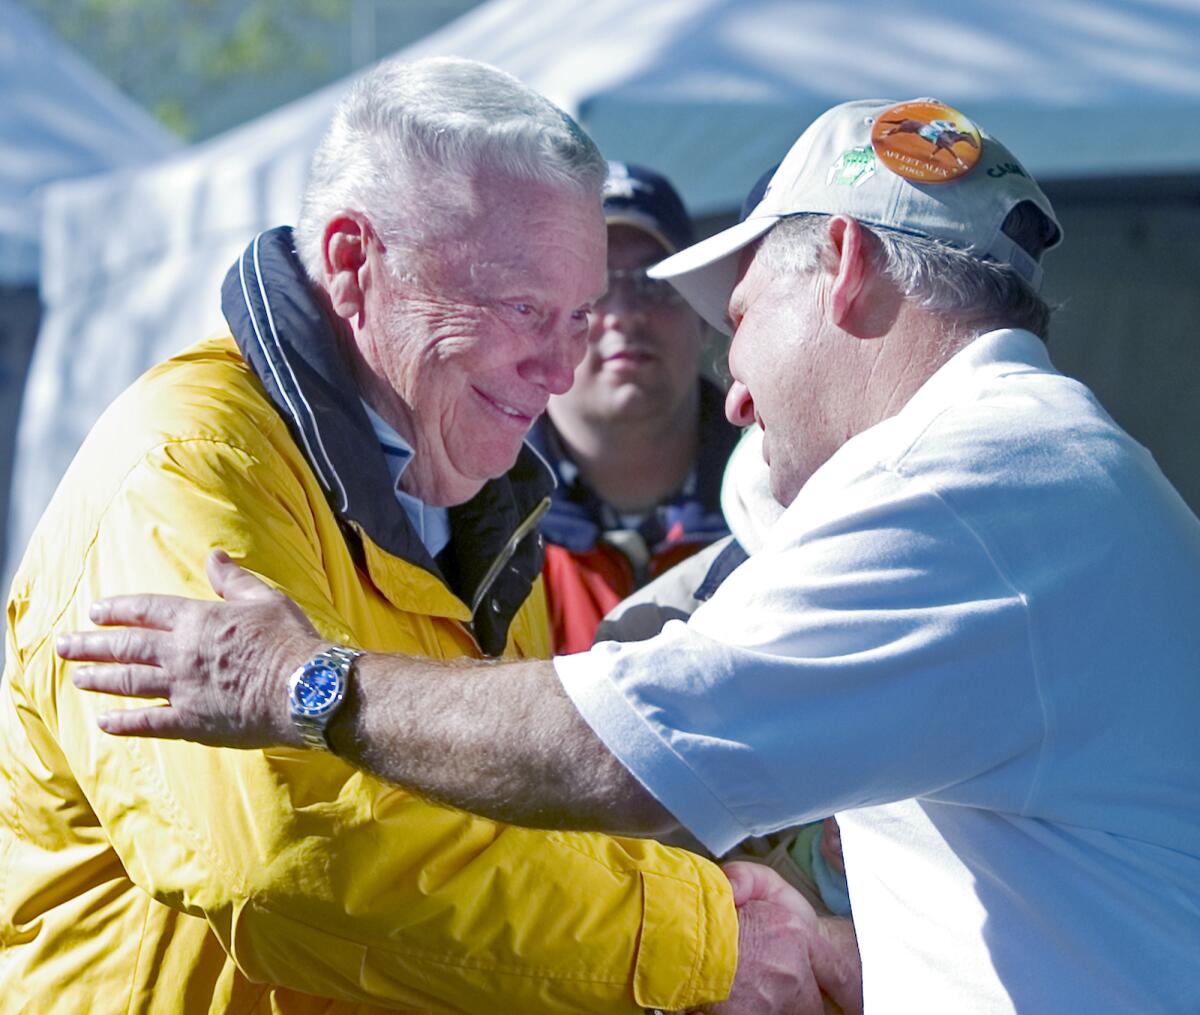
x=431 y=523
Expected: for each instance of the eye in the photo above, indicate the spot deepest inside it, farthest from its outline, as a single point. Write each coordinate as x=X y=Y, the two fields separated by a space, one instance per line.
x=583 y=315
x=524 y=309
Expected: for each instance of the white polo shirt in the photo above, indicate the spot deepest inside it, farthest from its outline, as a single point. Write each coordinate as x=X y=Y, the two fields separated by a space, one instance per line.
x=975 y=635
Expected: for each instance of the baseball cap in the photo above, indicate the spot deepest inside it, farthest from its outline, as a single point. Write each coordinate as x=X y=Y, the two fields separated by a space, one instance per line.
x=918 y=167
x=750 y=202
x=639 y=197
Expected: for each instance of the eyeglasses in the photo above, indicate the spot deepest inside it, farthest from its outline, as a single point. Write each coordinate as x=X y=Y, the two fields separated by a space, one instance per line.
x=641 y=289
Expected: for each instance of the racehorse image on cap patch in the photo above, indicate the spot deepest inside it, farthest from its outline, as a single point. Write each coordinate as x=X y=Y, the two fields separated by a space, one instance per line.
x=926 y=141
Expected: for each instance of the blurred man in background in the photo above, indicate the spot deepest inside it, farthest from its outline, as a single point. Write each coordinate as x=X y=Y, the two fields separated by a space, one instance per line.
x=640 y=441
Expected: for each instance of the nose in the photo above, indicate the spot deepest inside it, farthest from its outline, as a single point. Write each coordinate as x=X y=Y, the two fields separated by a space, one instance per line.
x=620 y=310
x=739 y=405
x=552 y=364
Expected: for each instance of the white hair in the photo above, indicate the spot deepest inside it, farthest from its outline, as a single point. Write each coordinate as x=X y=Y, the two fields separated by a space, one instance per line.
x=405 y=129
x=937 y=277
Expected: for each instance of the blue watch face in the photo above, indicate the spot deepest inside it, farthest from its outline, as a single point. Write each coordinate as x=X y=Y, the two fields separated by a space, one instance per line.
x=316 y=690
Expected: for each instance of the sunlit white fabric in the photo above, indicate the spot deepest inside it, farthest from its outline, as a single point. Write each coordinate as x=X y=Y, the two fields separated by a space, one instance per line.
x=973 y=635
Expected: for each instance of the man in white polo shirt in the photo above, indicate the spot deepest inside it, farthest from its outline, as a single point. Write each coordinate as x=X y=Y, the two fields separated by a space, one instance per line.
x=972 y=634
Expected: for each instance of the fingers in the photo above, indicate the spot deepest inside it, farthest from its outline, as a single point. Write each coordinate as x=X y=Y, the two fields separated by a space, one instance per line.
x=159 y=612
x=161 y=721
x=758 y=881
x=744 y=880
x=129 y=681
x=118 y=645
x=230 y=581
x=235 y=584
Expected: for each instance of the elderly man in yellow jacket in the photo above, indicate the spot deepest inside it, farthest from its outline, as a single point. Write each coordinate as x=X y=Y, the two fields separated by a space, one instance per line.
x=358 y=441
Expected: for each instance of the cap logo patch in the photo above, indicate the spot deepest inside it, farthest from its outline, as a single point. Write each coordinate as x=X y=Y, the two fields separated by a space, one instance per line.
x=852 y=168
x=1004 y=168
x=926 y=141
x=619 y=184
x=624 y=188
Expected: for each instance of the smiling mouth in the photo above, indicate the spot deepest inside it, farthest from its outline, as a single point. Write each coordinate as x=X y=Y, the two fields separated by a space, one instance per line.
x=520 y=416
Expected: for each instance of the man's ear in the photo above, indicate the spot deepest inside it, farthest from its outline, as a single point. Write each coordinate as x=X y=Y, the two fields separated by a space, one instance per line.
x=847 y=240
x=862 y=302
x=345 y=261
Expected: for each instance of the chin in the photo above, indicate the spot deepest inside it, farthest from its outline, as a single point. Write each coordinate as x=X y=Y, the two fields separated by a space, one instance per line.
x=483 y=473
x=454 y=488
x=632 y=402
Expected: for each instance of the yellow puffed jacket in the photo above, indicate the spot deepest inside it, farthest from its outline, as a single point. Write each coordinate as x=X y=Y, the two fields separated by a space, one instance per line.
x=156 y=876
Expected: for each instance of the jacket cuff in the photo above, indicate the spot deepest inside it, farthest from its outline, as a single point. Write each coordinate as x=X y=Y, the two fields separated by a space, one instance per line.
x=668 y=978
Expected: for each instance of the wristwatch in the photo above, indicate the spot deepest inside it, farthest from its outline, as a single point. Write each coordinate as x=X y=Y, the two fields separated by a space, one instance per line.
x=316 y=691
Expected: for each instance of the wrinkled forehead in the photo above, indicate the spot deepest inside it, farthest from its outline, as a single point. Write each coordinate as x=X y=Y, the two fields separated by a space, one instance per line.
x=533 y=235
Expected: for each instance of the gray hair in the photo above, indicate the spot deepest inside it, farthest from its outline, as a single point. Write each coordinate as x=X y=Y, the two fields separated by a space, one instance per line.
x=976 y=295
x=404 y=128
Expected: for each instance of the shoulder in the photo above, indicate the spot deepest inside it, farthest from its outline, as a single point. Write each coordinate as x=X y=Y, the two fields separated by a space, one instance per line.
x=996 y=416
x=1036 y=436
x=194 y=430
x=203 y=403
x=205 y=392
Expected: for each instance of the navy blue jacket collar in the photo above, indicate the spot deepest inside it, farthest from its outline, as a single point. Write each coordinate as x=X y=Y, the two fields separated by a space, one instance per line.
x=292 y=346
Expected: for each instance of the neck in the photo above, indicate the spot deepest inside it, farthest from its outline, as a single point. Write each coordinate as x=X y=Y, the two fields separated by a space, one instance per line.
x=633 y=464
x=421 y=479
x=373 y=389
x=912 y=354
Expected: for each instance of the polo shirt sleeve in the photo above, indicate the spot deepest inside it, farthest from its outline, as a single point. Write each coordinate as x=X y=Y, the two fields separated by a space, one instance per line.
x=865 y=655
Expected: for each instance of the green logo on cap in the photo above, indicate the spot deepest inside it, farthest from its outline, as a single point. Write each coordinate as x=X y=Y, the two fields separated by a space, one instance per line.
x=852 y=168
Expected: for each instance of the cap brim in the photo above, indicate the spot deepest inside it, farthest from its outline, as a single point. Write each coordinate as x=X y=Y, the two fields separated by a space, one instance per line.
x=647 y=225
x=705 y=272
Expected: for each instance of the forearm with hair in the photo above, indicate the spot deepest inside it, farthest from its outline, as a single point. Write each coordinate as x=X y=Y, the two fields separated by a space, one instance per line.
x=500 y=739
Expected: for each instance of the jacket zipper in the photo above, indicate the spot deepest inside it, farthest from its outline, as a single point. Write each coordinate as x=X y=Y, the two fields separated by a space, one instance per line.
x=509 y=548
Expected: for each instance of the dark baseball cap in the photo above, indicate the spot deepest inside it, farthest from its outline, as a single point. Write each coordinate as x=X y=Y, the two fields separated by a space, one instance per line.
x=640 y=197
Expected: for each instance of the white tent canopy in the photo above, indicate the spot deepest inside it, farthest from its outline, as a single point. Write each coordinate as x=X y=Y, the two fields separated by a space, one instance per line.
x=58 y=119
x=711 y=92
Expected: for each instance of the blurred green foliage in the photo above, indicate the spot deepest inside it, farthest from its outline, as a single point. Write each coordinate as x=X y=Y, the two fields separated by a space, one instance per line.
x=202 y=66
x=172 y=54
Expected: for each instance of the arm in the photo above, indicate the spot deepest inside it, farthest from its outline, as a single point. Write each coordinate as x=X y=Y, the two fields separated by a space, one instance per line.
x=789 y=960
x=316 y=878
x=500 y=739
